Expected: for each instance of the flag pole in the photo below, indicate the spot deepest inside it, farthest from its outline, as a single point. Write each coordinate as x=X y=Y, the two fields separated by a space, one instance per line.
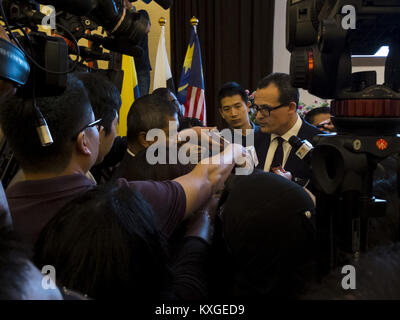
x=162 y=21
x=195 y=22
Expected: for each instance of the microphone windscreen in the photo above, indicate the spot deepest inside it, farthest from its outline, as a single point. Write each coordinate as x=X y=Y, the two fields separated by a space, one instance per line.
x=295 y=142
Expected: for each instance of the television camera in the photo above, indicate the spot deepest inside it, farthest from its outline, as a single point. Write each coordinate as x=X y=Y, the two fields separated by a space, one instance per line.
x=38 y=63
x=322 y=36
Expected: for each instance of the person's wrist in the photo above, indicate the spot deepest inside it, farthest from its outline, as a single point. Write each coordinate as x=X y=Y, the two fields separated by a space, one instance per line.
x=202 y=227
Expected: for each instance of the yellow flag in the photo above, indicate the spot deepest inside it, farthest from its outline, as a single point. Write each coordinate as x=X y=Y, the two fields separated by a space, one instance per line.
x=130 y=92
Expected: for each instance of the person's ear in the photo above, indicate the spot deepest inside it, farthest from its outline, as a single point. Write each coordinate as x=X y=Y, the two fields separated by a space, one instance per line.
x=248 y=104
x=142 y=140
x=102 y=133
x=82 y=144
x=221 y=113
x=292 y=107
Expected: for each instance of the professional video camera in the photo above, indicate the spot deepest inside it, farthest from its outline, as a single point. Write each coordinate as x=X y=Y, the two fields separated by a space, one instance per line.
x=38 y=63
x=72 y=19
x=322 y=36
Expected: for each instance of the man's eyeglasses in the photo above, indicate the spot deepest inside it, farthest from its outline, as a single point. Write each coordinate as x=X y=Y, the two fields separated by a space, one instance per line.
x=92 y=124
x=266 y=109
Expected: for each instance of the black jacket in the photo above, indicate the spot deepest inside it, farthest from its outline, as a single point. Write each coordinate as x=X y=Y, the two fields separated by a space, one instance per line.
x=296 y=166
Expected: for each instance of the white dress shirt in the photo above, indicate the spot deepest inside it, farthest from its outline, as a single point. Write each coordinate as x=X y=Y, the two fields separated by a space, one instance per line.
x=294 y=131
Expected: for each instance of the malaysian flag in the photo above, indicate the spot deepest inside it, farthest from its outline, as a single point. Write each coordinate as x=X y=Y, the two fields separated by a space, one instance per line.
x=191 y=86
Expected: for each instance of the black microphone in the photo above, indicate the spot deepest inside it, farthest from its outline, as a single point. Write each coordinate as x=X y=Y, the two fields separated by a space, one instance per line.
x=302 y=149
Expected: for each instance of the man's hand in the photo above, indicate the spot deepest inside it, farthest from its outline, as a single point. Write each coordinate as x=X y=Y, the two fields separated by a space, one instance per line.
x=202 y=136
x=129 y=6
x=208 y=177
x=282 y=172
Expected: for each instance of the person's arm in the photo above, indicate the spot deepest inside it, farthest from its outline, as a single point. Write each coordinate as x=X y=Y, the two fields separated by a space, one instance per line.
x=201 y=224
x=207 y=178
x=189 y=280
x=189 y=269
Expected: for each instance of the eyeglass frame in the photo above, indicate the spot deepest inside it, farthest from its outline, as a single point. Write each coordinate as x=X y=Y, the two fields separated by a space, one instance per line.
x=265 y=107
x=92 y=124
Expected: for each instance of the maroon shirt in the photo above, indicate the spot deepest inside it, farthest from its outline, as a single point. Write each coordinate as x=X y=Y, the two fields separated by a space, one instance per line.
x=34 y=203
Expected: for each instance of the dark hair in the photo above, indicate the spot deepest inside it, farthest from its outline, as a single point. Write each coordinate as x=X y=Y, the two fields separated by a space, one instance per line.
x=148 y=112
x=287 y=93
x=231 y=89
x=188 y=122
x=65 y=115
x=162 y=92
x=165 y=93
x=273 y=245
x=309 y=117
x=104 y=97
x=105 y=244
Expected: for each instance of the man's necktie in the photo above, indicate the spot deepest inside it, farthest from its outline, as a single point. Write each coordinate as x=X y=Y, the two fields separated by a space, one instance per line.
x=278 y=156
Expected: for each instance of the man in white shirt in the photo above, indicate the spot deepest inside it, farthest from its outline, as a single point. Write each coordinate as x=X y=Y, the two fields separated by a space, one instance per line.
x=276 y=105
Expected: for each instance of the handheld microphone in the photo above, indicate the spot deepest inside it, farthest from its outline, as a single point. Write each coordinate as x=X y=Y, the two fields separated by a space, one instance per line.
x=303 y=149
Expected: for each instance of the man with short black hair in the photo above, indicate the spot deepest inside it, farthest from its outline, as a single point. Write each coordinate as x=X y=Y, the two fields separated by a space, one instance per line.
x=234 y=107
x=54 y=174
x=184 y=122
x=147 y=113
x=276 y=103
x=105 y=100
x=321 y=118
x=106 y=103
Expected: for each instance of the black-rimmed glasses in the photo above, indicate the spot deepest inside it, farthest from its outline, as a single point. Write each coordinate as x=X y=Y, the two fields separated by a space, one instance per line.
x=266 y=109
x=92 y=124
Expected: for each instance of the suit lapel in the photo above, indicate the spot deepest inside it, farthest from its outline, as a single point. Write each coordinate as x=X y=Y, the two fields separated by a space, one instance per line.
x=261 y=144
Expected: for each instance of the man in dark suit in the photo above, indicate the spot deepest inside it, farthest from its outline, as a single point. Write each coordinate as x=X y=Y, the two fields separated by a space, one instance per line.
x=147 y=113
x=276 y=105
